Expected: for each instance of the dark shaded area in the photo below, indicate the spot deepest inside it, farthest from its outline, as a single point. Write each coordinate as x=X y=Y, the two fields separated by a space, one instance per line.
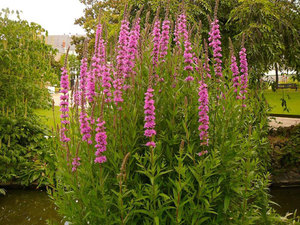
x=287 y=198
x=27 y=207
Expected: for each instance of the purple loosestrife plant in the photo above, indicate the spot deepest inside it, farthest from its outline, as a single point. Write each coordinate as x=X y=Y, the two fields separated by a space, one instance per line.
x=134 y=37
x=95 y=71
x=235 y=74
x=101 y=139
x=149 y=111
x=85 y=128
x=75 y=163
x=164 y=40
x=215 y=42
x=156 y=42
x=203 y=113
x=122 y=57
x=64 y=104
x=206 y=62
x=83 y=80
x=106 y=82
x=180 y=30
x=244 y=73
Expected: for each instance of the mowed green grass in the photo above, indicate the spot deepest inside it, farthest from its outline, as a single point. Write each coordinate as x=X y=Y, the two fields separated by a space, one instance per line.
x=47 y=116
x=273 y=98
x=291 y=96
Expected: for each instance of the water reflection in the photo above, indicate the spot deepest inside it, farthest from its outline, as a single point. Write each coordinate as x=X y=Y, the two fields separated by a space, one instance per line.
x=287 y=198
x=27 y=207
x=32 y=207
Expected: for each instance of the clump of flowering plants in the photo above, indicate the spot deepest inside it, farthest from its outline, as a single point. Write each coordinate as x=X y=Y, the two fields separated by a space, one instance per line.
x=159 y=136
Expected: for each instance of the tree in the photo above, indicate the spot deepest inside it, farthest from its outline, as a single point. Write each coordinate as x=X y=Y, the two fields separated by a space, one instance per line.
x=271 y=30
x=270 y=26
x=25 y=65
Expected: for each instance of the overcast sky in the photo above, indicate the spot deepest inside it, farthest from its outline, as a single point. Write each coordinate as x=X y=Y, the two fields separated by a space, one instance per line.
x=56 y=16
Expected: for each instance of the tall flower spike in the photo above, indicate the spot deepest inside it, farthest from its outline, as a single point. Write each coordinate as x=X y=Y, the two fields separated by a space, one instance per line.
x=164 y=40
x=64 y=101
x=83 y=74
x=85 y=128
x=149 y=110
x=156 y=42
x=244 y=73
x=215 y=43
x=122 y=57
x=203 y=113
x=188 y=56
x=101 y=139
x=134 y=37
x=235 y=70
x=206 y=63
x=95 y=71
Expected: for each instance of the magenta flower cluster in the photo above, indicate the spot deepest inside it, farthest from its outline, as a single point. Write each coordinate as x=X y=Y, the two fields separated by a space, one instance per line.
x=64 y=104
x=244 y=73
x=75 y=163
x=235 y=74
x=122 y=62
x=203 y=113
x=101 y=139
x=215 y=43
x=164 y=40
x=180 y=31
x=134 y=37
x=156 y=42
x=85 y=127
x=149 y=111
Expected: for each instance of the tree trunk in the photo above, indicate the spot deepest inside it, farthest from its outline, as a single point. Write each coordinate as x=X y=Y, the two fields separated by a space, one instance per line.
x=276 y=75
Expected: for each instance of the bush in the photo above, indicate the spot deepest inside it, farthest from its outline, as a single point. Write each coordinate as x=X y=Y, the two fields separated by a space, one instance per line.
x=124 y=172
x=25 y=153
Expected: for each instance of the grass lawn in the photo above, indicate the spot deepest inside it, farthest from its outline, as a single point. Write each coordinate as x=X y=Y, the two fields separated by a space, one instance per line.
x=47 y=116
x=291 y=96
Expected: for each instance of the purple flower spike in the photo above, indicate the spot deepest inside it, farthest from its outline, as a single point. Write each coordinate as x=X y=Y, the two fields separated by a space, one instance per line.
x=101 y=139
x=203 y=113
x=215 y=43
x=75 y=164
x=235 y=74
x=156 y=42
x=134 y=37
x=244 y=73
x=164 y=40
x=122 y=62
x=149 y=110
x=64 y=104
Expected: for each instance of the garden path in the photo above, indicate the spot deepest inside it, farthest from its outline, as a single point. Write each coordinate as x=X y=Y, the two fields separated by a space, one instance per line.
x=283 y=122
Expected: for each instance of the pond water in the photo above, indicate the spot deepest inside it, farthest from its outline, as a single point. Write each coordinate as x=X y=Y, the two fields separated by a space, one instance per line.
x=27 y=207
x=32 y=207
x=288 y=199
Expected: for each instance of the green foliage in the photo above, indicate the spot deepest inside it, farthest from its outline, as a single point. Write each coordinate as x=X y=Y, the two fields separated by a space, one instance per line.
x=25 y=152
x=25 y=70
x=25 y=64
x=270 y=27
x=285 y=153
x=170 y=184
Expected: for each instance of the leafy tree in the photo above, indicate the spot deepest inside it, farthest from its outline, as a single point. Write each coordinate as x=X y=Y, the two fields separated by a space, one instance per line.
x=271 y=29
x=25 y=69
x=270 y=26
x=25 y=65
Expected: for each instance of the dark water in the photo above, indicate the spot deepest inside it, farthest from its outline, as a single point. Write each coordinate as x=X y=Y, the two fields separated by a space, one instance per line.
x=32 y=207
x=288 y=199
x=27 y=207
